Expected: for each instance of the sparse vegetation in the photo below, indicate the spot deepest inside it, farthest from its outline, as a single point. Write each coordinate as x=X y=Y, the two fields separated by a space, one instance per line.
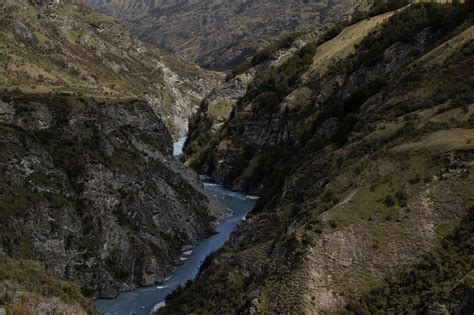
x=266 y=53
x=405 y=26
x=36 y=284
x=437 y=277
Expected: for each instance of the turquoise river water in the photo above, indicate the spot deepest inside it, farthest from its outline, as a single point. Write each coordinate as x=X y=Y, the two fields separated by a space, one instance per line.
x=142 y=301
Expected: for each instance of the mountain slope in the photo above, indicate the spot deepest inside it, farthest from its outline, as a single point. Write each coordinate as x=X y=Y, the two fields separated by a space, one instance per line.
x=219 y=34
x=88 y=183
x=28 y=289
x=91 y=189
x=364 y=163
x=67 y=48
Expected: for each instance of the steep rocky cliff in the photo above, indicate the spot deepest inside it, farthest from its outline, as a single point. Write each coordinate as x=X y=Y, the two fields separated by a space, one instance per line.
x=91 y=189
x=361 y=148
x=64 y=47
x=219 y=34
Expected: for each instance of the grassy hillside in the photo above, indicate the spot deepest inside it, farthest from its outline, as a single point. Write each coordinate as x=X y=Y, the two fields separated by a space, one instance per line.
x=440 y=280
x=67 y=48
x=364 y=164
x=27 y=289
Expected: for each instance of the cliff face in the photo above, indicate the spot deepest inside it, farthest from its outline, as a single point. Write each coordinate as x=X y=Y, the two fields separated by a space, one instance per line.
x=91 y=190
x=63 y=47
x=360 y=146
x=219 y=34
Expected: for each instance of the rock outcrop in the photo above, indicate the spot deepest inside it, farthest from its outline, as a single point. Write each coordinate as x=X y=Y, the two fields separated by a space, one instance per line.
x=45 y=3
x=92 y=190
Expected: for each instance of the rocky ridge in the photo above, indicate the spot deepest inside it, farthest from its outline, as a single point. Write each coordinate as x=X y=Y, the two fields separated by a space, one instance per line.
x=219 y=34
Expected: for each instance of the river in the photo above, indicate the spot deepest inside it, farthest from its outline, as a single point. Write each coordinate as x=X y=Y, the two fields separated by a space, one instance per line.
x=141 y=301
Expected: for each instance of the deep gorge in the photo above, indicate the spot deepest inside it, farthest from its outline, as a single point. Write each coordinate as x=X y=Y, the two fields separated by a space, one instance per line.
x=356 y=132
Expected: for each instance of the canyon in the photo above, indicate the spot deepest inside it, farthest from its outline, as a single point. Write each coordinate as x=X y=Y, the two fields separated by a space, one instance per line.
x=127 y=168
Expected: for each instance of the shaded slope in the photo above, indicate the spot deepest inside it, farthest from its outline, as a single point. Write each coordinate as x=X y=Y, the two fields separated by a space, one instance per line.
x=92 y=190
x=372 y=168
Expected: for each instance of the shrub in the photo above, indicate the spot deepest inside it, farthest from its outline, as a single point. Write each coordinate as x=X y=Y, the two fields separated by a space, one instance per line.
x=389 y=201
x=402 y=198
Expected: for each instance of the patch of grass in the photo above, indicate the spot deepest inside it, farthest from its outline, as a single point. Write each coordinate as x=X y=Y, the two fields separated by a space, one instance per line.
x=125 y=160
x=36 y=283
x=43 y=180
x=430 y=279
x=19 y=201
x=345 y=43
x=221 y=109
x=300 y=98
x=15 y=244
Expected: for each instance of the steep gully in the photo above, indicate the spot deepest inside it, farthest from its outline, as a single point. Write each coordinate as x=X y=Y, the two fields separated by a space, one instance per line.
x=142 y=301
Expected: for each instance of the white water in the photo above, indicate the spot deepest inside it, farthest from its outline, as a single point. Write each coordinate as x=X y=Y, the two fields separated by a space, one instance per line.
x=178 y=147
